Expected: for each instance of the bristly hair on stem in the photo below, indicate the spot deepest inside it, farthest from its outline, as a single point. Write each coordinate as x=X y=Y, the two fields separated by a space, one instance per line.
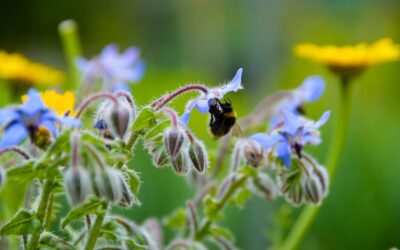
x=20 y=151
x=162 y=101
x=92 y=98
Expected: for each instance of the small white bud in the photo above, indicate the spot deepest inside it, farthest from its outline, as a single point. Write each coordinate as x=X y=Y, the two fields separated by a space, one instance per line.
x=180 y=164
x=173 y=140
x=198 y=156
x=107 y=184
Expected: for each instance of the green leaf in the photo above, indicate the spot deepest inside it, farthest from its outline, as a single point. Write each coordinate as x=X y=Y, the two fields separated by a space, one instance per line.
x=146 y=119
x=177 y=220
x=211 y=208
x=89 y=206
x=62 y=144
x=241 y=197
x=23 y=223
x=24 y=171
x=159 y=128
x=131 y=244
x=249 y=171
x=51 y=241
x=133 y=180
x=222 y=232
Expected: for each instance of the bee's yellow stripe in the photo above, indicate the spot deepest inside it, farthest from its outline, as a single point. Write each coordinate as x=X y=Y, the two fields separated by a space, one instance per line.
x=230 y=114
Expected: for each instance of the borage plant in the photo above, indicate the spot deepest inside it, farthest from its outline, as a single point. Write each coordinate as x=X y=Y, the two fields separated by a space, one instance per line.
x=62 y=154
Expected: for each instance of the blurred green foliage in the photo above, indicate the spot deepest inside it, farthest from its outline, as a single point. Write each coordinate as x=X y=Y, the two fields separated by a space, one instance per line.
x=192 y=40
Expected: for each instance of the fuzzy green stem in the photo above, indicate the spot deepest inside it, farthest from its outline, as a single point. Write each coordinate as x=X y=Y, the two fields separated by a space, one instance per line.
x=70 y=40
x=203 y=231
x=94 y=233
x=41 y=213
x=307 y=216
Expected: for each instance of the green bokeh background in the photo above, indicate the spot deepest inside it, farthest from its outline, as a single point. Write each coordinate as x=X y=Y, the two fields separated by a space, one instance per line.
x=206 y=41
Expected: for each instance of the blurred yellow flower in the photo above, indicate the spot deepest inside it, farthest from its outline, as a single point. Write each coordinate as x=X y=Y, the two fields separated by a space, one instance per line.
x=59 y=103
x=14 y=66
x=350 y=60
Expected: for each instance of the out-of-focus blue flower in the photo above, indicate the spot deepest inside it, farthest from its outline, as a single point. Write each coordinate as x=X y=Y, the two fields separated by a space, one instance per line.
x=116 y=69
x=25 y=119
x=296 y=132
x=310 y=90
x=201 y=103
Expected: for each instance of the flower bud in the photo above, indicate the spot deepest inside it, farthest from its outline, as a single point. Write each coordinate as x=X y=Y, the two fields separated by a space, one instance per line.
x=253 y=153
x=173 y=140
x=127 y=196
x=160 y=158
x=296 y=194
x=265 y=186
x=180 y=163
x=118 y=118
x=198 y=156
x=107 y=184
x=313 y=190
x=323 y=178
x=2 y=176
x=77 y=184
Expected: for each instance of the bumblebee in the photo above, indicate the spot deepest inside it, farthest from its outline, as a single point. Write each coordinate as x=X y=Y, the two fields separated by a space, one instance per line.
x=223 y=119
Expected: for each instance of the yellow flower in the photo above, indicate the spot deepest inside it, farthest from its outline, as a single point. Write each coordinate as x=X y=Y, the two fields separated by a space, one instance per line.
x=18 y=68
x=59 y=103
x=350 y=60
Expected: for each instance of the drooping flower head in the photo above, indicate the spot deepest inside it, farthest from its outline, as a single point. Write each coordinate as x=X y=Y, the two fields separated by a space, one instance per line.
x=348 y=61
x=311 y=90
x=28 y=118
x=16 y=67
x=115 y=69
x=62 y=104
x=295 y=133
x=202 y=102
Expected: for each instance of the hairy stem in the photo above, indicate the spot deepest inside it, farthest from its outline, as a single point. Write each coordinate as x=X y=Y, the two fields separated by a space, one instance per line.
x=203 y=231
x=94 y=233
x=41 y=212
x=307 y=216
x=159 y=103
x=92 y=98
x=22 y=152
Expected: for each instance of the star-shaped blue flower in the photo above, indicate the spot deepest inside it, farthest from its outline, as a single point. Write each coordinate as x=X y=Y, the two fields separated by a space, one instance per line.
x=297 y=131
x=116 y=69
x=25 y=119
x=201 y=103
x=310 y=90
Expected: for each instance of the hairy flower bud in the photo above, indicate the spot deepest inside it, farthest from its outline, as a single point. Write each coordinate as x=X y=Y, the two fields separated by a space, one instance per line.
x=160 y=158
x=180 y=163
x=118 y=118
x=77 y=184
x=296 y=194
x=253 y=153
x=198 y=156
x=313 y=190
x=127 y=196
x=107 y=184
x=173 y=140
x=323 y=178
x=265 y=186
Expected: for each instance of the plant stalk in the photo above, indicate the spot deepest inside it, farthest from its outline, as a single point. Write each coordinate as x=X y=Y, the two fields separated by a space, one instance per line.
x=94 y=233
x=307 y=216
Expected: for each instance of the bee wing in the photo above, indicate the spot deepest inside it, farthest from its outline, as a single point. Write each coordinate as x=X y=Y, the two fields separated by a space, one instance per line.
x=236 y=130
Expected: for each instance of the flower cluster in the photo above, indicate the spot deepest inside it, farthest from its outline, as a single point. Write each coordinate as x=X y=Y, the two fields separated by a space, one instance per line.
x=16 y=67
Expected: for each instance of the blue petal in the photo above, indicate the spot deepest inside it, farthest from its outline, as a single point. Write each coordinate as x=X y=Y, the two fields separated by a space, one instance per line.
x=310 y=138
x=13 y=135
x=109 y=52
x=235 y=84
x=202 y=106
x=121 y=86
x=71 y=122
x=185 y=118
x=130 y=56
x=313 y=87
x=324 y=118
x=33 y=104
x=267 y=141
x=283 y=151
x=292 y=122
x=8 y=115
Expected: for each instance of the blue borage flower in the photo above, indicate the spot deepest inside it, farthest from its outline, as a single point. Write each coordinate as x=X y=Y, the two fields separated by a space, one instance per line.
x=310 y=90
x=114 y=68
x=201 y=103
x=25 y=119
x=296 y=132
